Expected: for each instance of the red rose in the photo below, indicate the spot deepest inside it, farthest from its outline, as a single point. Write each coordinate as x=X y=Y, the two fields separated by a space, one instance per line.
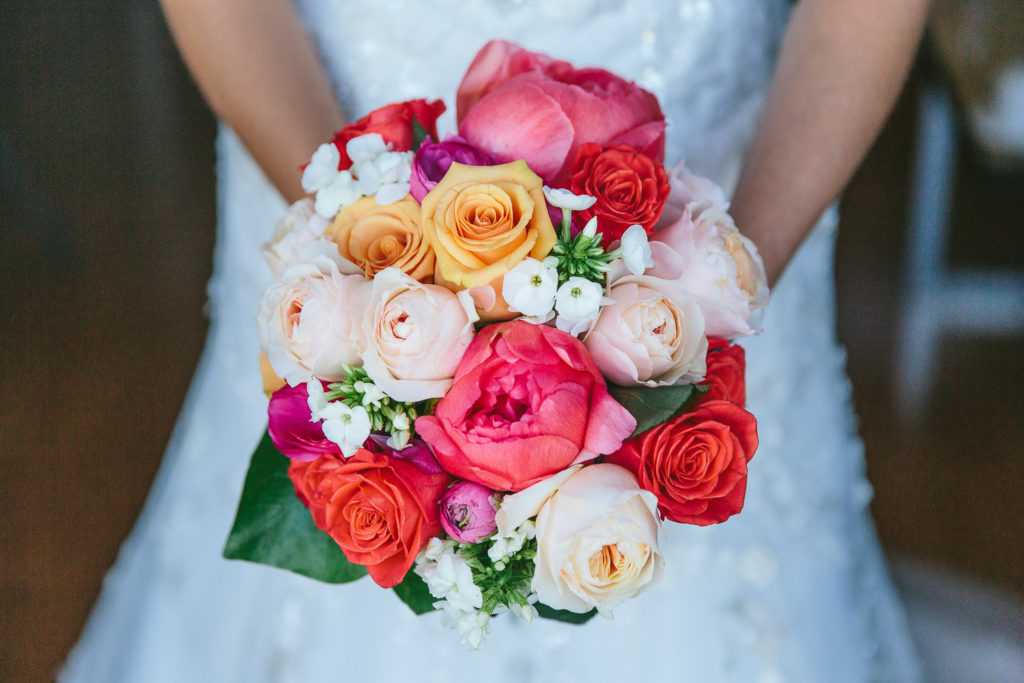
x=393 y=123
x=630 y=188
x=696 y=463
x=527 y=402
x=382 y=511
x=726 y=372
x=519 y=104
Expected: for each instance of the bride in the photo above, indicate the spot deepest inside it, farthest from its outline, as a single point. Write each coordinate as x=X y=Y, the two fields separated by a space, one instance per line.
x=793 y=589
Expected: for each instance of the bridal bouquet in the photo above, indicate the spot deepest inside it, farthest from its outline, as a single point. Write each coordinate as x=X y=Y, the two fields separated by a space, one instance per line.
x=497 y=361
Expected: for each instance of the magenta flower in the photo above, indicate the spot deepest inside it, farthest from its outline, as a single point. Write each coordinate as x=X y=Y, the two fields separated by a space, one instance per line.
x=467 y=512
x=434 y=159
x=416 y=452
x=291 y=429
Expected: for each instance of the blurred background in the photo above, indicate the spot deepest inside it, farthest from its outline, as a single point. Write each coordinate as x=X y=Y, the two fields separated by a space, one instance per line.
x=107 y=205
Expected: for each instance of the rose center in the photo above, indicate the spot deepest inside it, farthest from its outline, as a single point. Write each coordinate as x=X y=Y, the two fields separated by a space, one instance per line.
x=293 y=313
x=609 y=563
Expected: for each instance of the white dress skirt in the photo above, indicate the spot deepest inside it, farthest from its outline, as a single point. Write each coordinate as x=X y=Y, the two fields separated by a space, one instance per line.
x=793 y=589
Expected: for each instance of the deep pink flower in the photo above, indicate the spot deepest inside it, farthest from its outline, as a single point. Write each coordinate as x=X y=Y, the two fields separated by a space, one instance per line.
x=467 y=512
x=433 y=159
x=416 y=452
x=519 y=104
x=290 y=428
x=527 y=402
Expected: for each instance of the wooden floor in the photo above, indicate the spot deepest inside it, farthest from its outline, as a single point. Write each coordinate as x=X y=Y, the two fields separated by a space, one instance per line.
x=107 y=210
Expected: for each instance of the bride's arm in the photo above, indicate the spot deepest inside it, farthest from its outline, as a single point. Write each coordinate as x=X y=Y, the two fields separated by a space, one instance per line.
x=841 y=67
x=259 y=73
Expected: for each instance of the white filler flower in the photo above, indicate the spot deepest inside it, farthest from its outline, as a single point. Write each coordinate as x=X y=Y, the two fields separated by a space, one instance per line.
x=578 y=302
x=530 y=288
x=563 y=199
x=345 y=426
x=376 y=171
x=636 y=250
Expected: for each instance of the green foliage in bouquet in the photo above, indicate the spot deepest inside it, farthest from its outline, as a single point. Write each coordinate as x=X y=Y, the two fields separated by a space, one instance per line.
x=273 y=527
x=653 y=405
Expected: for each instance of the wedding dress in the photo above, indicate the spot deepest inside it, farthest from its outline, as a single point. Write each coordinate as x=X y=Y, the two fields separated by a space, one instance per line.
x=793 y=589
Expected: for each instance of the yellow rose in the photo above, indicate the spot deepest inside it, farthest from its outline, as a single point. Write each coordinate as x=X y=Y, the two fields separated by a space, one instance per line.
x=482 y=221
x=376 y=237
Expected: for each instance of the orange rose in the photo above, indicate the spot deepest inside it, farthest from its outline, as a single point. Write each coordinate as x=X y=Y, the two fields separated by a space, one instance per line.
x=482 y=221
x=726 y=369
x=696 y=463
x=631 y=188
x=376 y=237
x=380 y=510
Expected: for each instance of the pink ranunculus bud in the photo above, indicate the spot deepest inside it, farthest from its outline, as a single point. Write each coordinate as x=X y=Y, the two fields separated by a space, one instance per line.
x=467 y=512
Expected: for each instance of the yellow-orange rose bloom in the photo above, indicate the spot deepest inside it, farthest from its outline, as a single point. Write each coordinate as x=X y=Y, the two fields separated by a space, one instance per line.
x=482 y=221
x=375 y=237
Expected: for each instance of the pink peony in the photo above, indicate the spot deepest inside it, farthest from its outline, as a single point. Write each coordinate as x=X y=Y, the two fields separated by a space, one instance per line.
x=519 y=104
x=527 y=402
x=467 y=512
x=291 y=429
x=717 y=264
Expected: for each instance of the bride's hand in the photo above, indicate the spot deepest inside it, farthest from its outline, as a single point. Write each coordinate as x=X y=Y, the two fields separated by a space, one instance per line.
x=841 y=68
x=259 y=73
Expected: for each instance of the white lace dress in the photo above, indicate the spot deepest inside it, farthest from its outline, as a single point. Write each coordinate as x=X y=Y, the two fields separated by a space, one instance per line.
x=793 y=589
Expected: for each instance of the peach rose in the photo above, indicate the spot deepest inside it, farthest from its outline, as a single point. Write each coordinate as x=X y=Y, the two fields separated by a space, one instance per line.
x=376 y=237
x=597 y=537
x=309 y=324
x=653 y=333
x=416 y=334
x=482 y=221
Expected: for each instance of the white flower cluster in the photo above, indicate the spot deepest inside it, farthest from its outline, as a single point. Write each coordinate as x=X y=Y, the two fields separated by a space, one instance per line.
x=450 y=579
x=531 y=288
x=505 y=546
x=345 y=426
x=376 y=171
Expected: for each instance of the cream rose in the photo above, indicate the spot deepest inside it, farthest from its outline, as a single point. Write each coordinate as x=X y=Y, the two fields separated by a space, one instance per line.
x=652 y=334
x=416 y=334
x=298 y=237
x=309 y=324
x=597 y=537
x=375 y=237
x=717 y=264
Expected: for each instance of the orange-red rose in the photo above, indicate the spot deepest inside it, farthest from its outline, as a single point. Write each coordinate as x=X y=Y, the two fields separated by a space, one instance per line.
x=381 y=510
x=726 y=372
x=392 y=122
x=696 y=463
x=631 y=188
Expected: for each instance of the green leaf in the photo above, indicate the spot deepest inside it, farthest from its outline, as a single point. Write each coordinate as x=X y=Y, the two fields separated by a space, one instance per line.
x=273 y=527
x=413 y=592
x=419 y=134
x=651 y=405
x=564 y=615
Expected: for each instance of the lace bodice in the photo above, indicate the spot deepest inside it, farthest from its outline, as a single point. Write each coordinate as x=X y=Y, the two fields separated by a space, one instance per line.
x=709 y=61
